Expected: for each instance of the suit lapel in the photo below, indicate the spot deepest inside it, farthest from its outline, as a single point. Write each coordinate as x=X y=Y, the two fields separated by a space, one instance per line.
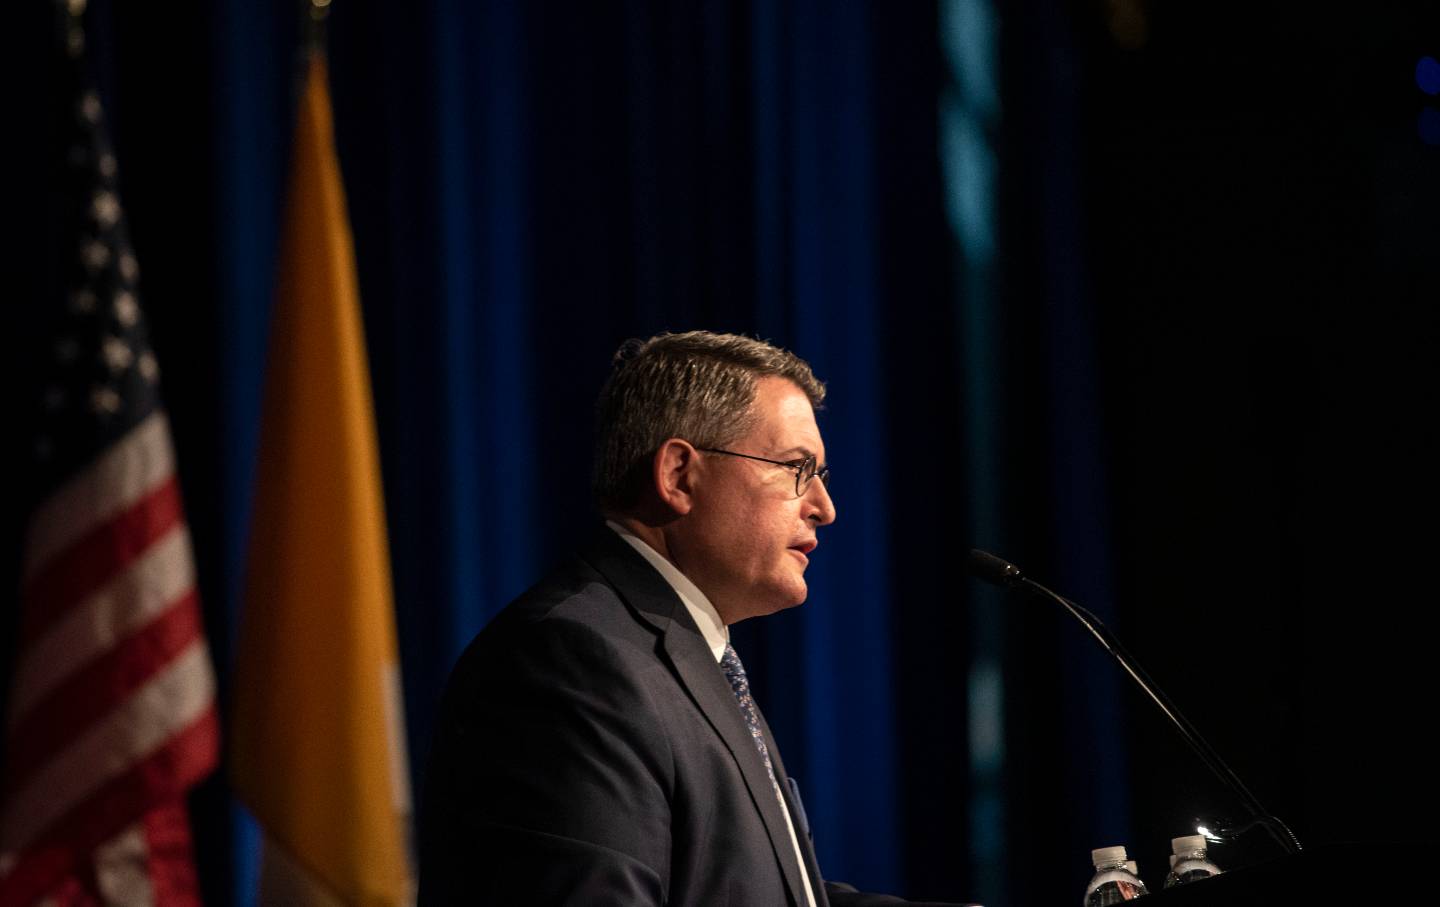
x=712 y=693
x=645 y=590
x=807 y=846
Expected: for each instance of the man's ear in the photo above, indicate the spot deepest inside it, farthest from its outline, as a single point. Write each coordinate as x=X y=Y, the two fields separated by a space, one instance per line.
x=676 y=466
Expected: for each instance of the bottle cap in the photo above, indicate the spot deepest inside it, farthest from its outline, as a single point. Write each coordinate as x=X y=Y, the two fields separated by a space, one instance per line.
x=1105 y=856
x=1187 y=844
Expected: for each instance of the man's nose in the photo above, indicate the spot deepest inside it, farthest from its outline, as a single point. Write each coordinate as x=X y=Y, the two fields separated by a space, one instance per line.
x=818 y=495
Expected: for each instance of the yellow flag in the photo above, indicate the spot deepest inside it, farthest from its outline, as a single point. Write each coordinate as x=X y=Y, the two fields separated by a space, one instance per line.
x=318 y=736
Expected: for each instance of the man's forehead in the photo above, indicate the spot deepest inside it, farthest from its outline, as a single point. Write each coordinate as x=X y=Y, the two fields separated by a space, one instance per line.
x=787 y=420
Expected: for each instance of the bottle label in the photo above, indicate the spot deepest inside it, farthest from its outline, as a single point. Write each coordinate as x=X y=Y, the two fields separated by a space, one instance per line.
x=1190 y=870
x=1113 y=887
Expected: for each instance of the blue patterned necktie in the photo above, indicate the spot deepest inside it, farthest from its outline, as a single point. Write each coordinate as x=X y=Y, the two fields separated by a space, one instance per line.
x=740 y=684
x=735 y=673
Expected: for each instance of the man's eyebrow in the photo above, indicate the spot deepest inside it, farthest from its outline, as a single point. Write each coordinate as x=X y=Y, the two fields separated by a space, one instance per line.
x=802 y=450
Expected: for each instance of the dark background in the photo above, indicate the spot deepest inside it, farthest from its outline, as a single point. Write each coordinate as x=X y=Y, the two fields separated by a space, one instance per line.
x=1189 y=386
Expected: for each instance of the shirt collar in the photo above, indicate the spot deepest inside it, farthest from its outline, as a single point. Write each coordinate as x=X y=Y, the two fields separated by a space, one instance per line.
x=717 y=635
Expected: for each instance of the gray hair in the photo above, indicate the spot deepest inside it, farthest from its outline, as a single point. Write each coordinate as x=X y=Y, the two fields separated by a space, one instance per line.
x=698 y=386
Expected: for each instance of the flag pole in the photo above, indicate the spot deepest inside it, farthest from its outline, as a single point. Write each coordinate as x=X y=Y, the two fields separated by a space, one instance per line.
x=316 y=13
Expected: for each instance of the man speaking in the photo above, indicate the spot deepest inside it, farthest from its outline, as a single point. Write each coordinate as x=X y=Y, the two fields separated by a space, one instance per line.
x=597 y=742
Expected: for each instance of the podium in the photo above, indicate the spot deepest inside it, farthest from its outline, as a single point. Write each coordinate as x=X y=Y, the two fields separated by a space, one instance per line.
x=1323 y=875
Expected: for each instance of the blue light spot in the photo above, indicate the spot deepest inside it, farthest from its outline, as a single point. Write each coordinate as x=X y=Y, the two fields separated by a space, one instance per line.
x=1427 y=75
x=1429 y=126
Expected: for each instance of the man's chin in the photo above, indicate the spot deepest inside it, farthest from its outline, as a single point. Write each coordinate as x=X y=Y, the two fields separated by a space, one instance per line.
x=771 y=604
x=794 y=598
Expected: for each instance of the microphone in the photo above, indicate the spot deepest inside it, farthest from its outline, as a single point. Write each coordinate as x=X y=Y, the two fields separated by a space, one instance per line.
x=999 y=572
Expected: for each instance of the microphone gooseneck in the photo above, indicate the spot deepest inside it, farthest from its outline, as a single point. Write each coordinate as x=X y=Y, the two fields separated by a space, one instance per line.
x=997 y=571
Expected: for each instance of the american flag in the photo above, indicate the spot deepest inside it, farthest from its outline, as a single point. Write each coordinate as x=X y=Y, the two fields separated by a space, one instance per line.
x=111 y=713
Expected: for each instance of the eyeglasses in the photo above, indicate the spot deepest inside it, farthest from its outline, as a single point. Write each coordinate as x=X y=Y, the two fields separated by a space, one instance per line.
x=805 y=469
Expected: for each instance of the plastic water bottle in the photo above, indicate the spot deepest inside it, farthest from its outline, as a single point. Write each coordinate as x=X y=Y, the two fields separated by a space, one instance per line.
x=1113 y=882
x=1189 y=861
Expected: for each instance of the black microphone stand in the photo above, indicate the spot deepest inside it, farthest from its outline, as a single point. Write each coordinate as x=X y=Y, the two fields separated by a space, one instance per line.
x=997 y=571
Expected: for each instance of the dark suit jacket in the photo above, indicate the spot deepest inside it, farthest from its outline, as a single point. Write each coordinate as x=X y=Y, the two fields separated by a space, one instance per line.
x=590 y=751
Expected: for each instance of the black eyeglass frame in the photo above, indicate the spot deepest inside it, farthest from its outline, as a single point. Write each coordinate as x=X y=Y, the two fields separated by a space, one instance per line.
x=806 y=469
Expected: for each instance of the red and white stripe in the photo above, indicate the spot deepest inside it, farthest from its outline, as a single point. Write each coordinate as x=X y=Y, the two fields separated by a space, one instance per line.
x=112 y=709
